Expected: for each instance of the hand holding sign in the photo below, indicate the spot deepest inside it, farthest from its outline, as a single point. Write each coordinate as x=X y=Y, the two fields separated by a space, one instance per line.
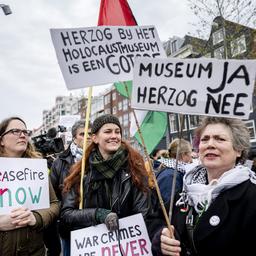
x=22 y=217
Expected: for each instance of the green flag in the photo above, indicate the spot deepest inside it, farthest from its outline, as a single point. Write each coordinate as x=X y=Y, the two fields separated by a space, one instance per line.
x=152 y=124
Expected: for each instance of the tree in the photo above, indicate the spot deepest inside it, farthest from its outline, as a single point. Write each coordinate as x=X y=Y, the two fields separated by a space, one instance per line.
x=239 y=11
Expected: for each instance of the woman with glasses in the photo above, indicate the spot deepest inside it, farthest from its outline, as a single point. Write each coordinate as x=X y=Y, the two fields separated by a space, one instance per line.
x=21 y=231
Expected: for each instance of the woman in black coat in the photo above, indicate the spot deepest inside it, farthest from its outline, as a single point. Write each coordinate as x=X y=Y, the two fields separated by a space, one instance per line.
x=115 y=181
x=216 y=212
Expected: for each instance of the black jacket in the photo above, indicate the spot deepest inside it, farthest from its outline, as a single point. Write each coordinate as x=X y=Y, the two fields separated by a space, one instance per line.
x=232 y=232
x=59 y=171
x=125 y=199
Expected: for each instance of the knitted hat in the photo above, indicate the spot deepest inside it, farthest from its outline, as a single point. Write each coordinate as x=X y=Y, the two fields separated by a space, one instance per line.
x=105 y=119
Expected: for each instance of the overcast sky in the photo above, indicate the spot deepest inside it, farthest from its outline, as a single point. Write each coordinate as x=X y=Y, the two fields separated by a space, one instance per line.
x=30 y=77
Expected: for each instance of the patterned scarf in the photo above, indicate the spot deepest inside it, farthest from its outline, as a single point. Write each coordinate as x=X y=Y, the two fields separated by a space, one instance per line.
x=171 y=162
x=109 y=167
x=198 y=194
x=76 y=152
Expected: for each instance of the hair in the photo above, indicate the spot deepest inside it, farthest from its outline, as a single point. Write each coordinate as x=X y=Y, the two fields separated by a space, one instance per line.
x=30 y=151
x=76 y=126
x=136 y=167
x=239 y=133
x=184 y=147
x=154 y=152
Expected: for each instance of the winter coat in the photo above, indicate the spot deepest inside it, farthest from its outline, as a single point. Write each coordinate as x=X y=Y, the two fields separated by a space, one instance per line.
x=125 y=199
x=28 y=241
x=59 y=171
x=228 y=227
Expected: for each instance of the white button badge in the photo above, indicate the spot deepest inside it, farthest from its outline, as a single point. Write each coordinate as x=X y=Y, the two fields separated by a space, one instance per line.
x=214 y=220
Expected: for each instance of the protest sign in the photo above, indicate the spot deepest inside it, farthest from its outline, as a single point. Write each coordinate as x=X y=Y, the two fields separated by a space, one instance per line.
x=23 y=182
x=98 y=241
x=194 y=86
x=105 y=54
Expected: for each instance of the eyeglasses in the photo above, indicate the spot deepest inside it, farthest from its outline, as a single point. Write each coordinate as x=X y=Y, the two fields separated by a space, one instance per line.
x=18 y=132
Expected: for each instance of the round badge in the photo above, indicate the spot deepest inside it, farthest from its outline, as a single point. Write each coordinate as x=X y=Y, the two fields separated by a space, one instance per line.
x=214 y=220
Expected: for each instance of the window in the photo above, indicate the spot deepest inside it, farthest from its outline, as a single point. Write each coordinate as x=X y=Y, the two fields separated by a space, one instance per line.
x=126 y=119
x=114 y=96
x=251 y=126
x=193 y=121
x=173 y=123
x=217 y=36
x=219 y=53
x=238 y=46
x=125 y=104
x=106 y=99
x=120 y=105
x=114 y=110
x=174 y=46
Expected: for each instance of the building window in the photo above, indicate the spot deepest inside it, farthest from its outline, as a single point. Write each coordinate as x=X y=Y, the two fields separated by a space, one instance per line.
x=125 y=104
x=174 y=46
x=126 y=119
x=251 y=126
x=173 y=123
x=114 y=96
x=120 y=120
x=238 y=46
x=114 y=110
x=120 y=105
x=106 y=99
x=217 y=36
x=193 y=121
x=219 y=53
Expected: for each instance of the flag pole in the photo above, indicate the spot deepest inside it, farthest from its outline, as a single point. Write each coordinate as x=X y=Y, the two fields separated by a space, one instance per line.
x=151 y=168
x=88 y=112
x=181 y=119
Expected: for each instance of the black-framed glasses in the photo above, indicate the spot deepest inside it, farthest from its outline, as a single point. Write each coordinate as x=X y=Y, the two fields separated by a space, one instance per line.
x=18 y=132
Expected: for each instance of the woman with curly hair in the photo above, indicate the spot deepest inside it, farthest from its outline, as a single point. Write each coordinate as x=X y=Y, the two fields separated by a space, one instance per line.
x=21 y=231
x=115 y=182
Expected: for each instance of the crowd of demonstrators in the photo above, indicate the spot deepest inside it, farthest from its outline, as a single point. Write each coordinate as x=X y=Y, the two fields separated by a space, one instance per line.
x=216 y=212
x=115 y=182
x=21 y=231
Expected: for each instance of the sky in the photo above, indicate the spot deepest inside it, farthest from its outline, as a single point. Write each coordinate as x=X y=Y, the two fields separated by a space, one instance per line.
x=30 y=77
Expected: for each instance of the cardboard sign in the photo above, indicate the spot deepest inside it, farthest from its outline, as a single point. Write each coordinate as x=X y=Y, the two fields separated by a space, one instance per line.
x=23 y=182
x=194 y=86
x=98 y=241
x=102 y=55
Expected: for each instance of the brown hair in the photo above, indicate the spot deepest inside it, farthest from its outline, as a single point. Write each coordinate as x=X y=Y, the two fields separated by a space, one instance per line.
x=30 y=151
x=136 y=167
x=185 y=147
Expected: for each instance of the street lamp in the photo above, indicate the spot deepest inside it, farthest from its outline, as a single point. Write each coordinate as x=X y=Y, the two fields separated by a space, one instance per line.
x=6 y=9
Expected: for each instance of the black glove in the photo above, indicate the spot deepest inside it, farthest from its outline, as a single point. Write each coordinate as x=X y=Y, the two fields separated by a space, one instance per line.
x=109 y=218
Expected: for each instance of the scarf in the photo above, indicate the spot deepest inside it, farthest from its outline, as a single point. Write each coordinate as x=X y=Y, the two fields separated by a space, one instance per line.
x=110 y=166
x=171 y=162
x=76 y=152
x=198 y=194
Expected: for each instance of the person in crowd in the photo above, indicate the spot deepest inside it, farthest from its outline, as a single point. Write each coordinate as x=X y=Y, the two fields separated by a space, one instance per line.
x=115 y=181
x=216 y=212
x=61 y=166
x=21 y=231
x=184 y=157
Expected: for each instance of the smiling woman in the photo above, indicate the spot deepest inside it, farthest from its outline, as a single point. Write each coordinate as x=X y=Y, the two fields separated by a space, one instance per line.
x=115 y=183
x=21 y=231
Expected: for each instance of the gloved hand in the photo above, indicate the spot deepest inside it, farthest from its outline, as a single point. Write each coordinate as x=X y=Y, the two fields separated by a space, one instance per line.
x=107 y=217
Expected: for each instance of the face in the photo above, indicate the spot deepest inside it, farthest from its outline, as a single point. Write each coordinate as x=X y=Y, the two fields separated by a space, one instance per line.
x=79 y=138
x=108 y=139
x=187 y=157
x=216 y=149
x=15 y=145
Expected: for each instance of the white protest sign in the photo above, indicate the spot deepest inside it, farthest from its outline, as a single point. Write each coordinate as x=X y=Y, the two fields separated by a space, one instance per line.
x=105 y=54
x=23 y=182
x=98 y=241
x=194 y=86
